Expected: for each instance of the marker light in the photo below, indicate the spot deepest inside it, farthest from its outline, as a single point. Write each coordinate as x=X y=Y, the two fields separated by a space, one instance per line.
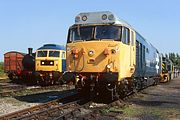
x=104 y=17
x=84 y=18
x=111 y=17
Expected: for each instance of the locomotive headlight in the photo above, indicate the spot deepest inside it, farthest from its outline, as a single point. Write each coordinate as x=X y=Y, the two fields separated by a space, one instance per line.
x=111 y=17
x=51 y=63
x=84 y=18
x=108 y=66
x=104 y=17
x=42 y=63
x=91 y=53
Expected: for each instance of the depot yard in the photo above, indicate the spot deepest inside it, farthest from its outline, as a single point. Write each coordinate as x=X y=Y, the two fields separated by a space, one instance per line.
x=161 y=102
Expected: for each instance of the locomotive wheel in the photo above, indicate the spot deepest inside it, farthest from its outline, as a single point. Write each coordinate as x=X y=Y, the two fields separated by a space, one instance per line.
x=10 y=76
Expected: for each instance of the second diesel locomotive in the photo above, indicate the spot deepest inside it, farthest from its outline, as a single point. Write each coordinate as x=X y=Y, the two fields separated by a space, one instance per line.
x=167 y=70
x=50 y=63
x=105 y=55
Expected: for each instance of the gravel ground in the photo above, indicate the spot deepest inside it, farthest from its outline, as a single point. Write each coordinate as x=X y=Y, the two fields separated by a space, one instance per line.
x=29 y=99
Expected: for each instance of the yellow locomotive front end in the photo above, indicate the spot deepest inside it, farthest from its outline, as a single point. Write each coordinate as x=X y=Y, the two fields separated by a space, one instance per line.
x=100 y=52
x=95 y=57
x=50 y=63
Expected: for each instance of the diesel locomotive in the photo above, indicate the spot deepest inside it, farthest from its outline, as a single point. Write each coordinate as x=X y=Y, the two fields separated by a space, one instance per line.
x=50 y=63
x=167 y=70
x=107 y=57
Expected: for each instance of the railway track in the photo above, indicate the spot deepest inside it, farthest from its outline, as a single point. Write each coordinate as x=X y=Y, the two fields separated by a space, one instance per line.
x=70 y=107
x=8 y=89
x=45 y=110
x=13 y=90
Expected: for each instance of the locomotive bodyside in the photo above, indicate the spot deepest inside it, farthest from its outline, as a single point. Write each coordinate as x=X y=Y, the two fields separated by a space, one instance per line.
x=148 y=59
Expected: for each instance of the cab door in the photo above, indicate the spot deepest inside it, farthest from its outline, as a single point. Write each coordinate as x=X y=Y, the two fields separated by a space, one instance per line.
x=132 y=51
x=63 y=57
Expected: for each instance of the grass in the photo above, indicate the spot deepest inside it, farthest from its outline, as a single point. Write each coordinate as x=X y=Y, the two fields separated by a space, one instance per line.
x=134 y=111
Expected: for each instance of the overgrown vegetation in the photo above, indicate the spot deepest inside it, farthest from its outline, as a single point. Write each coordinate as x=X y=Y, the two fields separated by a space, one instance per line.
x=2 y=74
x=175 y=58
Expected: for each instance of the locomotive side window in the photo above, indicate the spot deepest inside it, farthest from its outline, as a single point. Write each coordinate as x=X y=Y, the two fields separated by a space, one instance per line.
x=63 y=55
x=144 y=57
x=132 y=38
x=147 y=50
x=54 y=53
x=42 y=54
x=125 y=36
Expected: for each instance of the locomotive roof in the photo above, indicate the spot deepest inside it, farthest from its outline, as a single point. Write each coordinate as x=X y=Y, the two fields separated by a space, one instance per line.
x=52 y=46
x=102 y=17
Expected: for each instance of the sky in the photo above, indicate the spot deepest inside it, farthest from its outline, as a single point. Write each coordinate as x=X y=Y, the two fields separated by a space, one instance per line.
x=32 y=23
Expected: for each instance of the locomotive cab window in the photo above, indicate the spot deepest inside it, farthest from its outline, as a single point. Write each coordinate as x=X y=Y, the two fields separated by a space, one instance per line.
x=125 y=36
x=42 y=54
x=99 y=32
x=108 y=32
x=81 y=33
x=54 y=53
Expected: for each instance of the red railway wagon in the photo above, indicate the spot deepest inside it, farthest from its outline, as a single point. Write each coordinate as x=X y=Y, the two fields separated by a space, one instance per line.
x=13 y=64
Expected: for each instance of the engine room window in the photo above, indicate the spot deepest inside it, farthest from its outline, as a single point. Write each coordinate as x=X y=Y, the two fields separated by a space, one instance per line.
x=54 y=53
x=147 y=50
x=42 y=54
